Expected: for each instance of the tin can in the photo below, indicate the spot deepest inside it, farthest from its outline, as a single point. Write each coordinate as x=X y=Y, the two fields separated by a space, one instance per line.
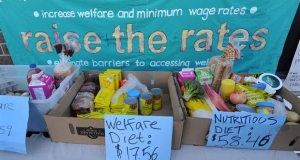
x=131 y=106
x=145 y=104
x=157 y=98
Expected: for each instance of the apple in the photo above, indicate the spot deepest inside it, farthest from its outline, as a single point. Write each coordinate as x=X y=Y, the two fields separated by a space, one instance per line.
x=238 y=97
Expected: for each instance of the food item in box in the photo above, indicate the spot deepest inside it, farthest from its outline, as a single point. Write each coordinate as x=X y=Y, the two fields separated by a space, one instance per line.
x=198 y=107
x=33 y=70
x=18 y=93
x=118 y=73
x=130 y=106
x=254 y=95
x=185 y=74
x=41 y=86
x=89 y=87
x=215 y=98
x=238 y=97
x=103 y=98
x=132 y=82
x=145 y=103
x=83 y=103
x=64 y=68
x=192 y=88
x=264 y=107
x=227 y=87
x=221 y=66
x=237 y=78
x=133 y=93
x=204 y=75
x=108 y=80
x=116 y=108
x=292 y=116
x=157 y=94
x=221 y=69
x=98 y=114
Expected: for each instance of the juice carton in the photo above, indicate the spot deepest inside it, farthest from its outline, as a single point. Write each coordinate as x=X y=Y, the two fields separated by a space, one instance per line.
x=204 y=75
x=186 y=74
x=41 y=86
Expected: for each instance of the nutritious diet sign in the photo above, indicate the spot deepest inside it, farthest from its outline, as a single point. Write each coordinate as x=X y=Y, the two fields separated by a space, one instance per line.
x=14 y=112
x=244 y=130
x=148 y=35
x=138 y=137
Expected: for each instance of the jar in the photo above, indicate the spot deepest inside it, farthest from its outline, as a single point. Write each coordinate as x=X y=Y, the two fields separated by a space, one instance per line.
x=264 y=107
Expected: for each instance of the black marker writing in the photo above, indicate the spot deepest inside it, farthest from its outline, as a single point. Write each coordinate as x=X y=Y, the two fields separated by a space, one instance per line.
x=6 y=106
x=131 y=124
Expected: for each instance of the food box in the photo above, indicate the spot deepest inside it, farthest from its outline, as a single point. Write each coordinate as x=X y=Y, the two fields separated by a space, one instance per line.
x=196 y=129
x=18 y=75
x=64 y=126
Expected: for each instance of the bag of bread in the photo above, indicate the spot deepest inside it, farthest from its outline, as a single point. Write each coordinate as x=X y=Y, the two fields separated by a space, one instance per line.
x=64 y=68
x=221 y=66
x=83 y=103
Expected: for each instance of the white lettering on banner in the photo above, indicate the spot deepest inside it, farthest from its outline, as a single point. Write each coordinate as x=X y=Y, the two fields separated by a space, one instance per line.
x=138 y=63
x=14 y=113
x=138 y=137
x=159 y=13
x=244 y=130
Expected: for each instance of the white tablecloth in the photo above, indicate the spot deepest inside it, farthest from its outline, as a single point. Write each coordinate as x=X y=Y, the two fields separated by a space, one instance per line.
x=41 y=148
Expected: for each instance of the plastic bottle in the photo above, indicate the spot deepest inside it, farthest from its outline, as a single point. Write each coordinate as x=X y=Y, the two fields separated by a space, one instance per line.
x=33 y=70
x=227 y=86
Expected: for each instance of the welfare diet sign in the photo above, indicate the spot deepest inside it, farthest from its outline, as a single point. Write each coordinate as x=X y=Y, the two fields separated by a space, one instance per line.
x=147 y=35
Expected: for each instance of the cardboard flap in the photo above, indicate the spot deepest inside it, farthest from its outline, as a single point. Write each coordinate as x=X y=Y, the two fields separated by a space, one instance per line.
x=181 y=104
x=177 y=111
x=290 y=97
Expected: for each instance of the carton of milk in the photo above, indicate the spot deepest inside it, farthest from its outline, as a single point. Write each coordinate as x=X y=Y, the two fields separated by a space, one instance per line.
x=41 y=86
x=186 y=74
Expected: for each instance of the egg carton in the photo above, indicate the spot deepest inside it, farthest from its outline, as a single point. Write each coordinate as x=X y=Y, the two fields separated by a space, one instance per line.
x=8 y=86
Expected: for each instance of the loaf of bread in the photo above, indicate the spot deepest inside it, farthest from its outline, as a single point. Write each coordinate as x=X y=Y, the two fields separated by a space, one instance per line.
x=83 y=103
x=221 y=69
x=90 y=87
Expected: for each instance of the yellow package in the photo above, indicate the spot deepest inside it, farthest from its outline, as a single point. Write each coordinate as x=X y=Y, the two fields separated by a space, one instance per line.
x=254 y=95
x=118 y=74
x=120 y=103
x=117 y=111
x=101 y=106
x=108 y=80
x=99 y=114
x=104 y=96
x=198 y=107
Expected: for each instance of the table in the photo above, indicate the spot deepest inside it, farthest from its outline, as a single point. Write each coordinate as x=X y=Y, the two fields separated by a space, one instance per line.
x=40 y=147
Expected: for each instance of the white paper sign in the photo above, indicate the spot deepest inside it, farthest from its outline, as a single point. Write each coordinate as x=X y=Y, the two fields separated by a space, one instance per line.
x=138 y=137
x=14 y=112
x=292 y=81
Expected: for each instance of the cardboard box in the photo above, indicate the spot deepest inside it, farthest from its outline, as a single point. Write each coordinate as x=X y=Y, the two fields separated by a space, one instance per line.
x=63 y=126
x=196 y=129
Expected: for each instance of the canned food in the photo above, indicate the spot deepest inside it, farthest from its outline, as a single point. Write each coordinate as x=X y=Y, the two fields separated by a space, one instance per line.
x=157 y=98
x=131 y=106
x=145 y=104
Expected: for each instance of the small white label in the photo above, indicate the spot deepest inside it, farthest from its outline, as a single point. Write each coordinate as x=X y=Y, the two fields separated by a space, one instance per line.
x=39 y=93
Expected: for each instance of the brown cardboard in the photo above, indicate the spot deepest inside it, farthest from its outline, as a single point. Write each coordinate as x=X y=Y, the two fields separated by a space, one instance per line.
x=196 y=129
x=63 y=126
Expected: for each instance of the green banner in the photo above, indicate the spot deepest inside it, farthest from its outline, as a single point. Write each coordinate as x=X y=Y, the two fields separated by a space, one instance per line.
x=149 y=35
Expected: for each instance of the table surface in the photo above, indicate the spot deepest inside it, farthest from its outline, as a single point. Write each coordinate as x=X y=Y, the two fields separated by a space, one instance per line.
x=40 y=147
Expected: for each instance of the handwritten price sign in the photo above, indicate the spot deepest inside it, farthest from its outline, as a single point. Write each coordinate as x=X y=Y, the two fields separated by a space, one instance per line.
x=14 y=112
x=244 y=130
x=292 y=81
x=138 y=137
